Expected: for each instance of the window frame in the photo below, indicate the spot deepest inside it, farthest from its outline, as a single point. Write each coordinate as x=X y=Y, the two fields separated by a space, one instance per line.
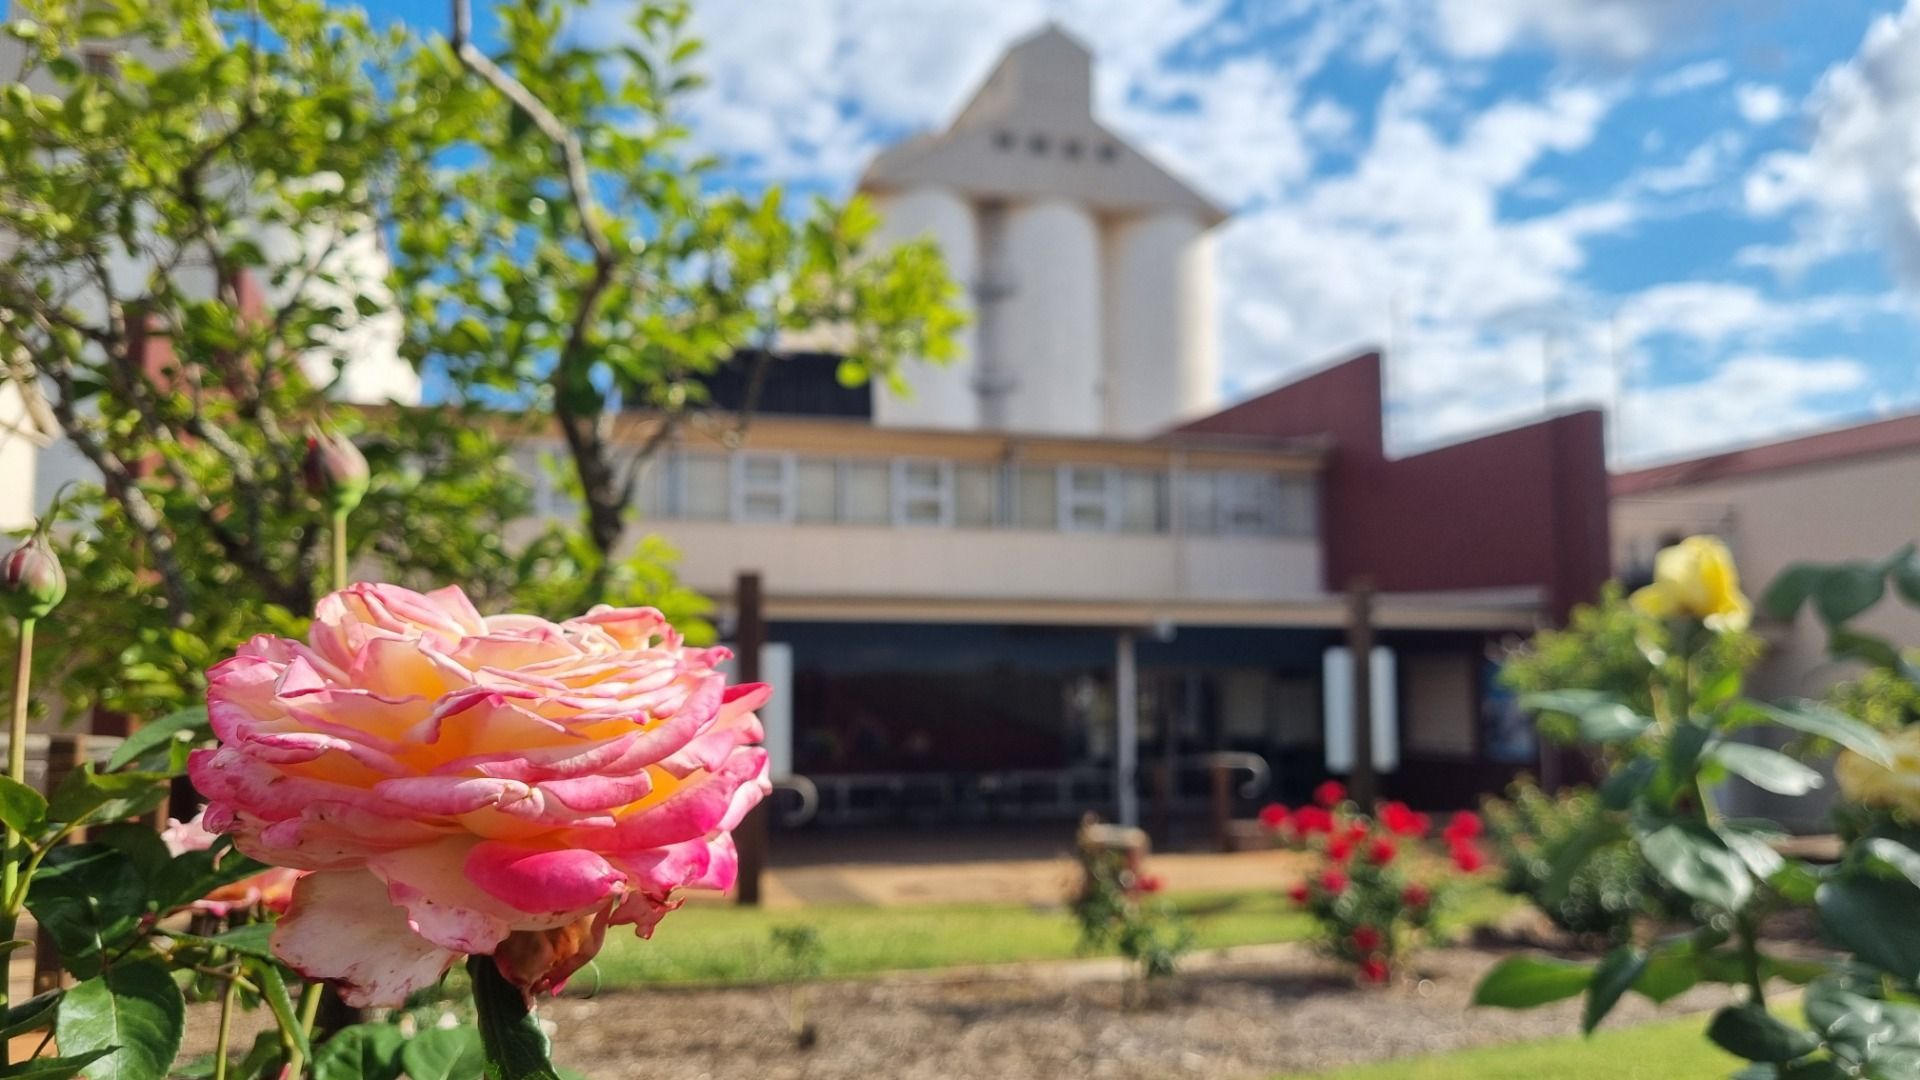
x=1068 y=498
x=741 y=490
x=903 y=492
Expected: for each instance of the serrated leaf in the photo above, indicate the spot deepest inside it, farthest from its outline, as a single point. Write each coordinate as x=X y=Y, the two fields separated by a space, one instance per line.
x=30 y=1015
x=193 y=874
x=1693 y=859
x=87 y=794
x=445 y=1054
x=55 y=1068
x=1749 y=1031
x=133 y=1010
x=360 y=1052
x=1617 y=973
x=253 y=939
x=89 y=897
x=516 y=1048
x=1813 y=718
x=1524 y=982
x=158 y=736
x=1764 y=768
x=22 y=809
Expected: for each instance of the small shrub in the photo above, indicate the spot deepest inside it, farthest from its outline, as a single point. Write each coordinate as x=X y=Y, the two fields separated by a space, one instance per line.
x=1118 y=908
x=797 y=958
x=1372 y=914
x=1528 y=832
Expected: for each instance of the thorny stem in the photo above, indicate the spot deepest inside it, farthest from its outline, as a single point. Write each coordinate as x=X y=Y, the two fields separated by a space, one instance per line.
x=17 y=772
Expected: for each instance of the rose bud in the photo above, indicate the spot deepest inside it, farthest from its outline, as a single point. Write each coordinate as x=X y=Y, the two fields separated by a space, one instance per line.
x=31 y=581
x=335 y=471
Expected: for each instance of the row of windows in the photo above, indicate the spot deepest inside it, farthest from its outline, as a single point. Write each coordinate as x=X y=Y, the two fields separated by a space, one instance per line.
x=910 y=492
x=779 y=488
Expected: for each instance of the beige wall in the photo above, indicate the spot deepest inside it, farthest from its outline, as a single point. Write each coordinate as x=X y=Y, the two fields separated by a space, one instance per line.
x=1002 y=564
x=1865 y=508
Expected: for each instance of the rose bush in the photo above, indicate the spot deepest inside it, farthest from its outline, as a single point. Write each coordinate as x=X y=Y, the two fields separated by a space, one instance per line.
x=463 y=784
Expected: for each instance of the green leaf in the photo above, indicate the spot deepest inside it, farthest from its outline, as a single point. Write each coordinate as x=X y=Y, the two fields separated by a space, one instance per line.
x=1668 y=973
x=445 y=1054
x=30 y=1015
x=361 y=1052
x=1524 y=982
x=1813 y=718
x=58 y=1068
x=1601 y=718
x=1903 y=859
x=1617 y=973
x=1790 y=589
x=90 y=898
x=253 y=939
x=1693 y=859
x=152 y=741
x=516 y=1048
x=273 y=988
x=193 y=874
x=22 y=809
x=133 y=1010
x=85 y=793
x=1764 y=768
x=138 y=842
x=1749 y=1031
x=1846 y=591
x=1873 y=917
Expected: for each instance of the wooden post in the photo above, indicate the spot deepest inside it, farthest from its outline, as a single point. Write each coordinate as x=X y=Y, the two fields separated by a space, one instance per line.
x=1221 y=777
x=749 y=635
x=1363 y=786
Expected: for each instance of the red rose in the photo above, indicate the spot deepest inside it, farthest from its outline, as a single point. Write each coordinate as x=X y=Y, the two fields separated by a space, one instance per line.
x=1300 y=894
x=1402 y=821
x=1309 y=820
x=1330 y=794
x=1150 y=883
x=1365 y=939
x=1333 y=880
x=1374 y=969
x=1381 y=852
x=1272 y=817
x=1340 y=849
x=1468 y=857
x=1465 y=825
x=1357 y=832
x=1416 y=896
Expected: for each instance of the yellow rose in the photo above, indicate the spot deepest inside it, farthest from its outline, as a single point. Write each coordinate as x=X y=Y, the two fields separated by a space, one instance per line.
x=1696 y=578
x=1873 y=784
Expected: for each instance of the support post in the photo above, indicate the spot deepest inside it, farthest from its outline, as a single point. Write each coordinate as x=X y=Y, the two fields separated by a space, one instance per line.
x=750 y=634
x=1363 y=786
x=1126 y=712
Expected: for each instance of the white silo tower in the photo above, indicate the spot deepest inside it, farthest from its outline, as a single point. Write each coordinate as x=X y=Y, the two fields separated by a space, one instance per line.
x=1158 y=275
x=943 y=396
x=1088 y=266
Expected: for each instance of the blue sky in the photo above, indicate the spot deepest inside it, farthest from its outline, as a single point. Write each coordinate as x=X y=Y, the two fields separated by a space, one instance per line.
x=1705 y=214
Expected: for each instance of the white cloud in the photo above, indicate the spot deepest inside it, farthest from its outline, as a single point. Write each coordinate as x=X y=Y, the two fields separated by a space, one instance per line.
x=1702 y=165
x=1747 y=398
x=1759 y=103
x=1860 y=177
x=1611 y=29
x=1694 y=76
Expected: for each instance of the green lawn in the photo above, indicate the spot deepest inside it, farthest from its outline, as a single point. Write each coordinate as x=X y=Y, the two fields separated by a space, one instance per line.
x=716 y=944
x=1667 y=1050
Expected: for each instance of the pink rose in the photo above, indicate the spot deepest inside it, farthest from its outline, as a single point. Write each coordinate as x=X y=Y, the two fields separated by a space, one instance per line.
x=271 y=889
x=462 y=784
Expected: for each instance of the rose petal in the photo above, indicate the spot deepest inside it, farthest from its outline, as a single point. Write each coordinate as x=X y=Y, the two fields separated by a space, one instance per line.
x=341 y=928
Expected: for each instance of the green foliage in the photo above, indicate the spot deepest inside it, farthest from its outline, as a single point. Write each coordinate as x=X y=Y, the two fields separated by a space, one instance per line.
x=1116 y=908
x=1605 y=894
x=133 y=1010
x=515 y=1047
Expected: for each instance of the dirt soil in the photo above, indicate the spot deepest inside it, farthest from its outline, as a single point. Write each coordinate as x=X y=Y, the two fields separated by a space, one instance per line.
x=1253 y=1014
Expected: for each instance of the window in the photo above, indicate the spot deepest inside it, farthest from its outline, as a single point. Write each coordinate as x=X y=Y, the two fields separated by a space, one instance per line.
x=1034 y=503
x=701 y=483
x=1299 y=506
x=762 y=487
x=1199 y=503
x=864 y=491
x=816 y=491
x=922 y=493
x=975 y=496
x=1249 y=504
x=1088 y=498
x=1143 y=502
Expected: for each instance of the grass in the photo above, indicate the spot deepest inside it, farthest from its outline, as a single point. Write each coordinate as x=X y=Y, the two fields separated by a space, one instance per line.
x=717 y=944
x=1667 y=1050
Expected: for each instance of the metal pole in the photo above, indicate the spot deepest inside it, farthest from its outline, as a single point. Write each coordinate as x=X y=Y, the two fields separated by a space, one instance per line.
x=1362 y=785
x=750 y=634
x=1126 y=695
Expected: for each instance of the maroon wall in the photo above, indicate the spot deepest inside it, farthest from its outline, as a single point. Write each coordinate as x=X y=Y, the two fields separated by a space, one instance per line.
x=1526 y=507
